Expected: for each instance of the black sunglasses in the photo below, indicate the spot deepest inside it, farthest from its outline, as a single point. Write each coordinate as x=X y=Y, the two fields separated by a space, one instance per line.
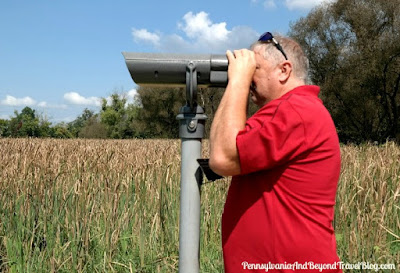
x=267 y=36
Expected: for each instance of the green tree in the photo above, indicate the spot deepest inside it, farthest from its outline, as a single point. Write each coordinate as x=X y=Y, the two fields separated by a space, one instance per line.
x=45 y=129
x=76 y=126
x=60 y=130
x=25 y=124
x=354 y=52
x=4 y=125
x=209 y=99
x=93 y=129
x=132 y=113
x=113 y=116
x=160 y=106
x=118 y=116
x=157 y=114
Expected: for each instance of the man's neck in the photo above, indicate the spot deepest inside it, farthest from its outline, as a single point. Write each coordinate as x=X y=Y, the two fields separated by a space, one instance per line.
x=290 y=85
x=285 y=88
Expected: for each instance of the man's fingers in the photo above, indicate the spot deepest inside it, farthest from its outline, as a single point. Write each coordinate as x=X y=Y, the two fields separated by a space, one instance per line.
x=230 y=55
x=240 y=53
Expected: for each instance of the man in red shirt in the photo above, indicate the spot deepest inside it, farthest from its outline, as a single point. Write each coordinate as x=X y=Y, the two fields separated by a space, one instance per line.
x=285 y=163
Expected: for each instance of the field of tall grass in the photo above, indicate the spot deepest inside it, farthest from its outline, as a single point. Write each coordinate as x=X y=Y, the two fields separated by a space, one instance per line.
x=113 y=206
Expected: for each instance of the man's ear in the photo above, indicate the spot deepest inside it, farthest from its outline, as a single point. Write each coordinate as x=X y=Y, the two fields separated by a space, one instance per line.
x=285 y=71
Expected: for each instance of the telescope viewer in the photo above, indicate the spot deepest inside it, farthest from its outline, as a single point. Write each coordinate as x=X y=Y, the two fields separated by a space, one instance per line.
x=170 y=69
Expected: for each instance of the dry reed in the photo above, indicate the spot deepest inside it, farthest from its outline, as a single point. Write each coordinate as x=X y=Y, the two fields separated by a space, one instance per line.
x=113 y=206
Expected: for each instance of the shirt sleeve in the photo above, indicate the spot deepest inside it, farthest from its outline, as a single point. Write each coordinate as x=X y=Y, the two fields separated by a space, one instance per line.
x=267 y=142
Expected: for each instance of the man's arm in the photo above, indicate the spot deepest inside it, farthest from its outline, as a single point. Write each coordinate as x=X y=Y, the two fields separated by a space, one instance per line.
x=231 y=115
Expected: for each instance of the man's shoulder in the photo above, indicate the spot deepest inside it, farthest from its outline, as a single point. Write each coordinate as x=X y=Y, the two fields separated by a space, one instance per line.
x=305 y=102
x=305 y=96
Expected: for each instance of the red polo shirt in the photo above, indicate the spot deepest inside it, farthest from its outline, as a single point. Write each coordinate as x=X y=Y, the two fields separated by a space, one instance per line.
x=279 y=211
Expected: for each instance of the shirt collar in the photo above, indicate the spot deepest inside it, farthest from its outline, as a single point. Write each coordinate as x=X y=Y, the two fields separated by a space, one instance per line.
x=312 y=90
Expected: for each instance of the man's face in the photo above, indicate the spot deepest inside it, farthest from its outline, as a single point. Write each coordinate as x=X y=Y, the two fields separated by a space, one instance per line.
x=261 y=89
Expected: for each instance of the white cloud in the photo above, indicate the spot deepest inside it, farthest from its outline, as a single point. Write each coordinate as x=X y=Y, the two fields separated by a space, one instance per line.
x=44 y=104
x=269 y=4
x=131 y=94
x=13 y=101
x=75 y=98
x=290 y=4
x=201 y=34
x=142 y=35
x=303 y=4
x=200 y=27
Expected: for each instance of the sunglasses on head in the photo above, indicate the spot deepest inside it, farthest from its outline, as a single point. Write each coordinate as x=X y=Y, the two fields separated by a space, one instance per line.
x=268 y=37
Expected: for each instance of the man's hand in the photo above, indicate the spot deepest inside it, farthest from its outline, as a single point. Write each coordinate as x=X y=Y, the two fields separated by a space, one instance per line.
x=230 y=117
x=242 y=65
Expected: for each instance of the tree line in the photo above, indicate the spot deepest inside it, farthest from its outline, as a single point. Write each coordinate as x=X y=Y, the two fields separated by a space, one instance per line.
x=151 y=115
x=354 y=52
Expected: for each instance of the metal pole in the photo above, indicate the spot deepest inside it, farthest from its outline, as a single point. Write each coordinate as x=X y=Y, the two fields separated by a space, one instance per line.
x=169 y=69
x=191 y=132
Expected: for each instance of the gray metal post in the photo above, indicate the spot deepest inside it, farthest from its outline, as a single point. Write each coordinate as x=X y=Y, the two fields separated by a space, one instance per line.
x=191 y=132
x=193 y=70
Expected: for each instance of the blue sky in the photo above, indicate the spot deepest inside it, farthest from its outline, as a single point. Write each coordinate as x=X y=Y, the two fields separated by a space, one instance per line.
x=60 y=57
